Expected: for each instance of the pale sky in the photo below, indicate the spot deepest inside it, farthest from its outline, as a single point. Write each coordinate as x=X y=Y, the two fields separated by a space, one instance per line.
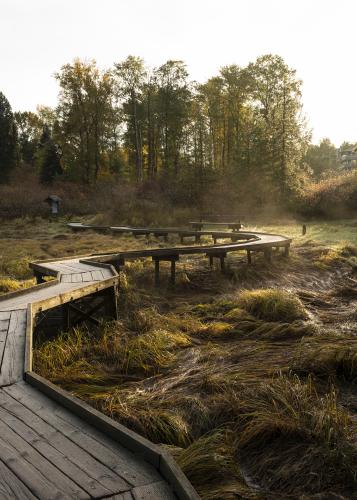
x=316 y=37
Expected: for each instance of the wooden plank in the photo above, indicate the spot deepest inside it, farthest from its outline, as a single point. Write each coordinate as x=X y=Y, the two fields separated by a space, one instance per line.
x=4 y=315
x=97 y=275
x=155 y=491
x=2 y=349
x=11 y=486
x=86 y=277
x=76 y=278
x=73 y=292
x=72 y=266
x=42 y=438
x=28 y=339
x=122 y=496
x=41 y=477
x=174 y=476
x=111 y=481
x=66 y=278
x=24 y=292
x=131 y=468
x=12 y=368
x=4 y=323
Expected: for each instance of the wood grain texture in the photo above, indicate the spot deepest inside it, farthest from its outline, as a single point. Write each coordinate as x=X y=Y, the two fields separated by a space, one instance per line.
x=52 y=445
x=11 y=486
x=154 y=491
x=34 y=470
x=12 y=367
x=131 y=469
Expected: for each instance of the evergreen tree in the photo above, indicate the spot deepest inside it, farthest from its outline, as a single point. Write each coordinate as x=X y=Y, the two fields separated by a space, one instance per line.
x=8 y=139
x=48 y=157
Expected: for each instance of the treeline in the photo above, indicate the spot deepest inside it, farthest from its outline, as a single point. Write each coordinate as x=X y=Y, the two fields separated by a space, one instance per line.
x=242 y=131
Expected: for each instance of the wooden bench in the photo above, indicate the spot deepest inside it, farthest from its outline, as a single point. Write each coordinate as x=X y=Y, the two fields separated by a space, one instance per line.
x=235 y=226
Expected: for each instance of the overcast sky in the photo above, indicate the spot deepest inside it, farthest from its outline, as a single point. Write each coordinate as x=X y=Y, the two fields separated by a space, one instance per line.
x=316 y=37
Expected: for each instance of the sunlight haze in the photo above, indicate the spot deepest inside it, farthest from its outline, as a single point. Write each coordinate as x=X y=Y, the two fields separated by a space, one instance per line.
x=317 y=38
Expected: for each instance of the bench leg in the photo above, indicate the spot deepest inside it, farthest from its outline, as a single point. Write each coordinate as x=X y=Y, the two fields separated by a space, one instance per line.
x=286 y=250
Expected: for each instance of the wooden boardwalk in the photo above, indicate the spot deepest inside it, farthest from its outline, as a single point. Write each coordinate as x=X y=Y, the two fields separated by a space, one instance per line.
x=247 y=241
x=52 y=445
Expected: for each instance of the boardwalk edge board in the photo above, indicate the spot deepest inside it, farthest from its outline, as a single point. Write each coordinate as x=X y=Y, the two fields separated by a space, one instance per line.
x=130 y=439
x=87 y=276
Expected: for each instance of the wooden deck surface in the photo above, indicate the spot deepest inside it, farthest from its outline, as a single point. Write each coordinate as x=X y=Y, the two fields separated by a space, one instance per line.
x=47 y=452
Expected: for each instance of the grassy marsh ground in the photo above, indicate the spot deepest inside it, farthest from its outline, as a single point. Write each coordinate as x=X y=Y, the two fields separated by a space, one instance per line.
x=248 y=378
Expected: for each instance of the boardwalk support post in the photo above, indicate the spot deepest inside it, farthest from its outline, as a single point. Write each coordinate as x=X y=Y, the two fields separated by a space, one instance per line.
x=267 y=254
x=39 y=277
x=157 y=272
x=173 y=272
x=249 y=257
x=222 y=258
x=286 y=250
x=168 y=258
x=118 y=263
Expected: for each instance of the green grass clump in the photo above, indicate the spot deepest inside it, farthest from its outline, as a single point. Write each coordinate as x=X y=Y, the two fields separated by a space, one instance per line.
x=295 y=440
x=212 y=467
x=148 y=416
x=55 y=356
x=216 y=330
x=337 y=360
x=152 y=351
x=257 y=329
x=214 y=309
x=16 y=268
x=9 y=285
x=66 y=358
x=272 y=305
x=349 y=251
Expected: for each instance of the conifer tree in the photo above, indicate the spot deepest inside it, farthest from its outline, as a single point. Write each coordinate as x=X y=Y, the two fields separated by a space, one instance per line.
x=48 y=158
x=8 y=139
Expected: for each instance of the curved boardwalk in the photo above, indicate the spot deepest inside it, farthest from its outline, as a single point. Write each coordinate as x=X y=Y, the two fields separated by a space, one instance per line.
x=52 y=445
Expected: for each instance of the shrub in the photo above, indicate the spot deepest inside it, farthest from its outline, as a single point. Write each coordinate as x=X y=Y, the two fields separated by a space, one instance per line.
x=333 y=197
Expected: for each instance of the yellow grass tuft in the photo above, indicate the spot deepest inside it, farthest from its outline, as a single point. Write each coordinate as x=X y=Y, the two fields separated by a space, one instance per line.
x=272 y=305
